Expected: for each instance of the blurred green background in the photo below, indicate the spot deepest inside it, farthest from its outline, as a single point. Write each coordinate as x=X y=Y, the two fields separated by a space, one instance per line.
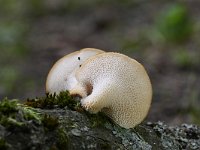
x=163 y=35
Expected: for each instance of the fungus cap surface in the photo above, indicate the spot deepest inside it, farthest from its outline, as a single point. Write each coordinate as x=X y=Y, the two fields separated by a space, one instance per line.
x=120 y=85
x=61 y=76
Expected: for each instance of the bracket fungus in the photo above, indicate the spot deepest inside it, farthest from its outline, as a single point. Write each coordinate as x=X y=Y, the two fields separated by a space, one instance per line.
x=114 y=84
x=61 y=76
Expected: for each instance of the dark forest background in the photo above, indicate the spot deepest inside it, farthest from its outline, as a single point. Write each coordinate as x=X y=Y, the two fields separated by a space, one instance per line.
x=164 y=35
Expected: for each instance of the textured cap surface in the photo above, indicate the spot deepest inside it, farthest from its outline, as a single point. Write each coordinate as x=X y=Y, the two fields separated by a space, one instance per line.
x=61 y=76
x=120 y=87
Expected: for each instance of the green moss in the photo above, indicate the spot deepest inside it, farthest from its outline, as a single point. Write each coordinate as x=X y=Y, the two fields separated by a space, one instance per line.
x=98 y=119
x=50 y=101
x=62 y=100
x=53 y=100
x=31 y=114
x=14 y=114
x=9 y=122
x=50 y=122
x=63 y=139
x=8 y=106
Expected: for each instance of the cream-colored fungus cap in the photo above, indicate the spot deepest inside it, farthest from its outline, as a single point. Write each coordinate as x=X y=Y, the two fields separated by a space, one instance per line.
x=116 y=85
x=61 y=76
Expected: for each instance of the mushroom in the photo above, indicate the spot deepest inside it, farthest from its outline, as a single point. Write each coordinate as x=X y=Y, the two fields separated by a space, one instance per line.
x=116 y=85
x=61 y=76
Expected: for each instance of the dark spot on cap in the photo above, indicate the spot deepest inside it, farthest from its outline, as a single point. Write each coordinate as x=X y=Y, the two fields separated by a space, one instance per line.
x=79 y=65
x=79 y=58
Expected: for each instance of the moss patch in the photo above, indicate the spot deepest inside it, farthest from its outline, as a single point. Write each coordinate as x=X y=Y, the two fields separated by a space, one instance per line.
x=62 y=100
x=14 y=114
x=63 y=139
x=53 y=101
x=50 y=122
x=98 y=119
x=8 y=107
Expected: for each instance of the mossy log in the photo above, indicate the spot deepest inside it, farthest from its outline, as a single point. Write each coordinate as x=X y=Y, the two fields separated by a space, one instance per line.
x=59 y=122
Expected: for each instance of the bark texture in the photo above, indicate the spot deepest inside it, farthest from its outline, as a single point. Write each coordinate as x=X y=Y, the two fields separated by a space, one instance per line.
x=23 y=127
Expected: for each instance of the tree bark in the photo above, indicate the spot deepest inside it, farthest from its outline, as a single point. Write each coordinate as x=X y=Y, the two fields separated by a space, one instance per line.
x=63 y=128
